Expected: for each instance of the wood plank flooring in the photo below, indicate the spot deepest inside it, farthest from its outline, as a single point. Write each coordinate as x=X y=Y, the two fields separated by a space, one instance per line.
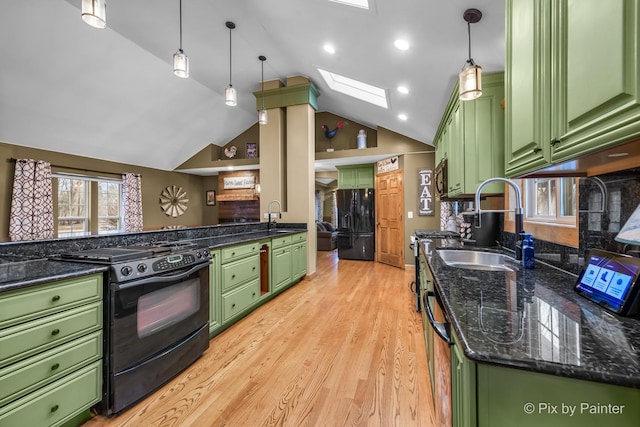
x=342 y=348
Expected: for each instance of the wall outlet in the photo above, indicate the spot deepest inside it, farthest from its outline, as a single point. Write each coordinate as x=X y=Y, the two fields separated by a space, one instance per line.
x=273 y=215
x=266 y=215
x=409 y=214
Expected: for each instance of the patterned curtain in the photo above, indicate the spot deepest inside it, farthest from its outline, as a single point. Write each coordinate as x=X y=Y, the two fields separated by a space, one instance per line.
x=32 y=201
x=334 y=208
x=132 y=202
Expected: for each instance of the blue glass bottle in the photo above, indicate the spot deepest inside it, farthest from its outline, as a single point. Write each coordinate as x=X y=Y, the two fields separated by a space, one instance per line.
x=528 y=259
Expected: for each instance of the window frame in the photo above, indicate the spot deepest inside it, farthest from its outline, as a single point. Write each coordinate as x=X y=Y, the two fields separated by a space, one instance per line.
x=92 y=200
x=564 y=233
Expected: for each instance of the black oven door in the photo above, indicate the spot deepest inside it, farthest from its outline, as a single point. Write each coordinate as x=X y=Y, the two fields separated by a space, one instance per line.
x=152 y=314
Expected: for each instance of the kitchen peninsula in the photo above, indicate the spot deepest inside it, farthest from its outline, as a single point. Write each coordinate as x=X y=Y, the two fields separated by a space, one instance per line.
x=60 y=320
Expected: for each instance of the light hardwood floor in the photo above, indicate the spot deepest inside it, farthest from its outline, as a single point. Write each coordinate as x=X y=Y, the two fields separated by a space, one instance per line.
x=342 y=348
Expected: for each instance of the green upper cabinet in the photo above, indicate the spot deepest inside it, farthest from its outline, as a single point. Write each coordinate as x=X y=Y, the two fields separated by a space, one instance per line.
x=358 y=176
x=471 y=137
x=527 y=86
x=598 y=97
x=572 y=79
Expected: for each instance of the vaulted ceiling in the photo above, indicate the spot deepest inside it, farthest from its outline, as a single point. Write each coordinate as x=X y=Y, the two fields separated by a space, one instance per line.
x=111 y=94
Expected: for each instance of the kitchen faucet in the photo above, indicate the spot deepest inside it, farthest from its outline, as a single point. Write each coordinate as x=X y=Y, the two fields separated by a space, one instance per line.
x=269 y=213
x=518 y=210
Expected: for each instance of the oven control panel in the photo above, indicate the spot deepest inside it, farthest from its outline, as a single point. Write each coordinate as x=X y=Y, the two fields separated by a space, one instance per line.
x=137 y=269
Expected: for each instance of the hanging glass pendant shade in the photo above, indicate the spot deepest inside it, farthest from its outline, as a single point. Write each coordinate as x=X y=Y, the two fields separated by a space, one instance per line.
x=263 y=117
x=94 y=13
x=470 y=81
x=470 y=78
x=181 y=64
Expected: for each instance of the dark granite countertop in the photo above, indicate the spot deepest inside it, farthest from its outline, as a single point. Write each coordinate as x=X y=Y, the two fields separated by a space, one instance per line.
x=21 y=274
x=534 y=320
x=22 y=271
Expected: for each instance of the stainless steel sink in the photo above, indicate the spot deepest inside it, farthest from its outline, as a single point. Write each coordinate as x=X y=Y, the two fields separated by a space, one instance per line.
x=477 y=260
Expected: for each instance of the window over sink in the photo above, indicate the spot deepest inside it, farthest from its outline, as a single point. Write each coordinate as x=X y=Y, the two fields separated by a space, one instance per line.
x=86 y=205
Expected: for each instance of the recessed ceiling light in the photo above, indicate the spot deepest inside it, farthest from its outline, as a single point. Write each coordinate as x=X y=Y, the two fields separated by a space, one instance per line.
x=403 y=89
x=329 y=48
x=364 y=4
x=401 y=44
x=402 y=117
x=230 y=168
x=617 y=154
x=357 y=89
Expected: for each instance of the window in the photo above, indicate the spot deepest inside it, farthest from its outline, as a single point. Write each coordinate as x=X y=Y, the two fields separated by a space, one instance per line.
x=550 y=209
x=73 y=215
x=87 y=205
x=550 y=199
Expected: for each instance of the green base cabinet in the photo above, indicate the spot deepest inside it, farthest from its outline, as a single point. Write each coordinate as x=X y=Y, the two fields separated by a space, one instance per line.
x=215 y=310
x=496 y=396
x=239 y=280
x=280 y=268
x=559 y=107
x=358 y=176
x=51 y=352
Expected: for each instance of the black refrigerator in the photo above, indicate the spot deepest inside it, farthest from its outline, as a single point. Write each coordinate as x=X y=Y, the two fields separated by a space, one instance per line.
x=356 y=224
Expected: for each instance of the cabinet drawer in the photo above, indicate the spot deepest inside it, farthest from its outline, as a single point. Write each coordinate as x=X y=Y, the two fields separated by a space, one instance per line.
x=29 y=338
x=236 y=301
x=240 y=251
x=236 y=273
x=58 y=402
x=37 y=301
x=32 y=374
x=298 y=238
x=280 y=241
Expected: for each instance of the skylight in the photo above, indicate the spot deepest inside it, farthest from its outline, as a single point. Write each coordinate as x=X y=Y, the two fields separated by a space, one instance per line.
x=355 y=88
x=364 y=4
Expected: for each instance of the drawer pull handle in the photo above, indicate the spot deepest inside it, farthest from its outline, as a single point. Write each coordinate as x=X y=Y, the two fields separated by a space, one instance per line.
x=233 y=305
x=254 y=294
x=55 y=332
x=54 y=408
x=254 y=268
x=55 y=298
x=233 y=276
x=55 y=366
x=233 y=253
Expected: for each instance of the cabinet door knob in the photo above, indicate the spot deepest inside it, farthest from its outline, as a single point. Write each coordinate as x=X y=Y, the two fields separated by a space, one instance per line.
x=54 y=408
x=254 y=268
x=55 y=366
x=555 y=142
x=233 y=305
x=233 y=276
x=254 y=294
x=537 y=150
x=55 y=332
x=55 y=298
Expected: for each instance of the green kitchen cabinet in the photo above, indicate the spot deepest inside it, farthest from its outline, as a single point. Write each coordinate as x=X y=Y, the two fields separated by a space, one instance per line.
x=239 y=280
x=487 y=395
x=281 y=262
x=298 y=260
x=471 y=137
x=358 y=176
x=463 y=388
x=51 y=352
x=215 y=310
x=572 y=85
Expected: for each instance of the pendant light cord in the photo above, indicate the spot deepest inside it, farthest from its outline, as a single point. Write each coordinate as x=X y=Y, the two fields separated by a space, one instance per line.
x=230 y=56
x=180 y=25
x=469 y=34
x=262 y=84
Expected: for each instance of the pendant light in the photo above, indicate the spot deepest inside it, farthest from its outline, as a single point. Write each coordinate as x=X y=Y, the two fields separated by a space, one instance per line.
x=263 y=117
x=471 y=75
x=230 y=96
x=180 y=60
x=94 y=13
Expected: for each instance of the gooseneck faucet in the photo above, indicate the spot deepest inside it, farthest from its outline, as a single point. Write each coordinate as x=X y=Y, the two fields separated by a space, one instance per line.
x=269 y=213
x=518 y=210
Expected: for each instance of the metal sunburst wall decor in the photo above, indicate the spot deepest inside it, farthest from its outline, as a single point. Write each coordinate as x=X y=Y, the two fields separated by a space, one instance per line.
x=173 y=201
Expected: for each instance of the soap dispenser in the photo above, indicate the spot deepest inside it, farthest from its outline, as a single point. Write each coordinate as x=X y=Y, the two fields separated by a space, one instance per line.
x=528 y=260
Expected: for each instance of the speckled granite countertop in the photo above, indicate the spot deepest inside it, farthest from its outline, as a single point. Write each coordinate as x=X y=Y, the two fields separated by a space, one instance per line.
x=18 y=271
x=533 y=320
